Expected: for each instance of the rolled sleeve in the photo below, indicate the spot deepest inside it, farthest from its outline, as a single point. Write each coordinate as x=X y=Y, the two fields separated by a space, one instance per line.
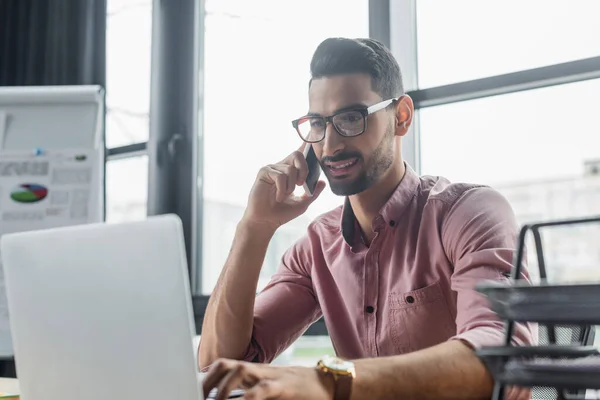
x=286 y=308
x=480 y=237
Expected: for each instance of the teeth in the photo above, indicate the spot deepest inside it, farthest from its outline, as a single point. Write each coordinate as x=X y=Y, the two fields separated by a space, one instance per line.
x=344 y=165
x=341 y=166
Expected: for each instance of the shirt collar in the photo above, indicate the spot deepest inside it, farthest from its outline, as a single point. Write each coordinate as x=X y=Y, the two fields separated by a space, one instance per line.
x=389 y=214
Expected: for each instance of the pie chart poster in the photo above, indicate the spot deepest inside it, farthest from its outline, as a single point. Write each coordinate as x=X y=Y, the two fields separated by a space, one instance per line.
x=55 y=189
x=29 y=193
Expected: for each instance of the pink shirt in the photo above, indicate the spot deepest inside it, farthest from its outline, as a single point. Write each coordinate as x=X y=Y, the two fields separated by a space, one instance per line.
x=411 y=289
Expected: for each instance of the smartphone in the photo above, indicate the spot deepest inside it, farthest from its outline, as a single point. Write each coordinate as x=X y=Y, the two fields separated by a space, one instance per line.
x=314 y=170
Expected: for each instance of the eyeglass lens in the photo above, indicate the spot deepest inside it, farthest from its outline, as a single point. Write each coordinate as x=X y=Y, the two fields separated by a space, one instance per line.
x=349 y=123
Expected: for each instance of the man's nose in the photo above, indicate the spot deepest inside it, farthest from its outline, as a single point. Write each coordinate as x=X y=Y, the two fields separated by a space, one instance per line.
x=333 y=141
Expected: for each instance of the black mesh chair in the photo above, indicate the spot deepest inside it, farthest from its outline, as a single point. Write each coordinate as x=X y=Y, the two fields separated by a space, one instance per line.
x=566 y=341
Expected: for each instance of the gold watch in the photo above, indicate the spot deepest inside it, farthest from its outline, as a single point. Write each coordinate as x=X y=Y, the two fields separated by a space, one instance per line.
x=343 y=373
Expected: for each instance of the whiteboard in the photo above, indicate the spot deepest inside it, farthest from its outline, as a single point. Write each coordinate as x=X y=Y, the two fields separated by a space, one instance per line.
x=51 y=117
x=51 y=164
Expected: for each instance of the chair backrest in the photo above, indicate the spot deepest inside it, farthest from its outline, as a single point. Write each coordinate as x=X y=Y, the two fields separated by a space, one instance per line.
x=563 y=335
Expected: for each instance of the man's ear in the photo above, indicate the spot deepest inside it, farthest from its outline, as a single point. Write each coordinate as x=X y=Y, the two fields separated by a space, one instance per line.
x=404 y=114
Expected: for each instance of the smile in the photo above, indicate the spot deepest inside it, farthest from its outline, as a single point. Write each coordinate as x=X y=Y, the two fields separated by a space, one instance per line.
x=342 y=167
x=343 y=164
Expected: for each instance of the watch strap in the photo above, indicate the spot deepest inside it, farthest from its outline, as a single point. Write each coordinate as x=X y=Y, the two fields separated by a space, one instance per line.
x=343 y=387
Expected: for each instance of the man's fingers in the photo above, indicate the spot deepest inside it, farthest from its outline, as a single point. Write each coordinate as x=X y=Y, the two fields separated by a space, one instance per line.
x=291 y=174
x=518 y=393
x=233 y=380
x=304 y=201
x=307 y=200
x=282 y=184
x=299 y=162
x=272 y=175
x=286 y=175
x=263 y=390
x=215 y=375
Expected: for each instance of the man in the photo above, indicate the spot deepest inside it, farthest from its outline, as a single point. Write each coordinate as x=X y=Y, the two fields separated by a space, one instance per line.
x=392 y=271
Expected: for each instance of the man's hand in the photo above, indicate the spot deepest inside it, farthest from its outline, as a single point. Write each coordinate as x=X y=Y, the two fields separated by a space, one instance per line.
x=271 y=202
x=266 y=382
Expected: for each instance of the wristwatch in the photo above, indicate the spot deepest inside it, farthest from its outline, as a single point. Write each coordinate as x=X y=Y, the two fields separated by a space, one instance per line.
x=343 y=373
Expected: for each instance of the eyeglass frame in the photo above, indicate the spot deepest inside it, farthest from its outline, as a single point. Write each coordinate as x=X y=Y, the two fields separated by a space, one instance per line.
x=366 y=111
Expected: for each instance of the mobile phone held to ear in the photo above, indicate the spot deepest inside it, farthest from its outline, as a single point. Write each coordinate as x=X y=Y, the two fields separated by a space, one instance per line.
x=314 y=170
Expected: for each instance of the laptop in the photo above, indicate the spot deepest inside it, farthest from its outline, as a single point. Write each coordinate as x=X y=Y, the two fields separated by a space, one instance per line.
x=102 y=311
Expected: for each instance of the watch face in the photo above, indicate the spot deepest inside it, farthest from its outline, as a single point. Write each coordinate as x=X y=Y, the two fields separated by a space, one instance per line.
x=337 y=364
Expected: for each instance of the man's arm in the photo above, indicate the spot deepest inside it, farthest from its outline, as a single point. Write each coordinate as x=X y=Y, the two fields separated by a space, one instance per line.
x=450 y=370
x=480 y=235
x=230 y=321
x=227 y=326
x=271 y=321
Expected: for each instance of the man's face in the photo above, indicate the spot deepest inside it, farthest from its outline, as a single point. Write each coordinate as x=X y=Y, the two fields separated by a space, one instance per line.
x=352 y=164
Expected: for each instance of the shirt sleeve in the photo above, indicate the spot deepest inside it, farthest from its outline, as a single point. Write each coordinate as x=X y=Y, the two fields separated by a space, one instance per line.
x=480 y=236
x=286 y=307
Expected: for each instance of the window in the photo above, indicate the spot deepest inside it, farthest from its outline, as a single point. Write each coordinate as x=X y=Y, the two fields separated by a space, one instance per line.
x=257 y=57
x=536 y=147
x=543 y=134
x=128 y=42
x=461 y=40
x=126 y=189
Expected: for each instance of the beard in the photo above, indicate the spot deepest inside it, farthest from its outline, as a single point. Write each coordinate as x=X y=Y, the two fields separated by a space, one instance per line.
x=378 y=164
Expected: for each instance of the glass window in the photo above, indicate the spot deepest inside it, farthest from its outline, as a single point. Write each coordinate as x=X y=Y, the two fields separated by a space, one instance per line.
x=126 y=189
x=257 y=59
x=541 y=149
x=128 y=41
x=461 y=40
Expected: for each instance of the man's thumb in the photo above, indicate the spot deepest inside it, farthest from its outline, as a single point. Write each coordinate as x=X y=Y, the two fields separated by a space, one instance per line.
x=318 y=190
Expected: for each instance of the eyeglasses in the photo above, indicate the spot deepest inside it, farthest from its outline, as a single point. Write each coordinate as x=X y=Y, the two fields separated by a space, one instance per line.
x=347 y=123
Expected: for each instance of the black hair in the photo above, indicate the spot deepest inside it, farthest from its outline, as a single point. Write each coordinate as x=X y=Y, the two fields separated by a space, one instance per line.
x=336 y=56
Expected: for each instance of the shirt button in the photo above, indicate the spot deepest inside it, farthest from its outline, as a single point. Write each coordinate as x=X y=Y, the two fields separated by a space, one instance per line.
x=392 y=223
x=410 y=299
x=369 y=309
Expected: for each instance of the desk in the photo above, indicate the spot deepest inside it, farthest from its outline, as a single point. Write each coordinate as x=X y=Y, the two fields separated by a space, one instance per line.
x=9 y=385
